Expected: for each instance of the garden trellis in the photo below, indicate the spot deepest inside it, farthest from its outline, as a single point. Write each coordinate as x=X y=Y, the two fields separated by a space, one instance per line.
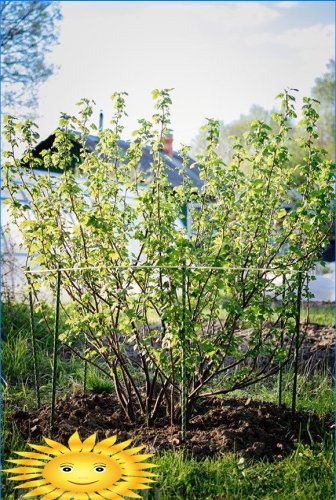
x=184 y=269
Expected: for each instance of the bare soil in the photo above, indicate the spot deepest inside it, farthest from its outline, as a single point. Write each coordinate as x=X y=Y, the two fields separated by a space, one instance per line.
x=318 y=348
x=316 y=351
x=251 y=428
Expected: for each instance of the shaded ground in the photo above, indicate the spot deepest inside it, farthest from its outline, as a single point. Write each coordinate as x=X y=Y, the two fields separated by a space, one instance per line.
x=254 y=429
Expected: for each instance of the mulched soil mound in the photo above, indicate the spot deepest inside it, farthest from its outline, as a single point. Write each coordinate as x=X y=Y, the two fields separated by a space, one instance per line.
x=252 y=428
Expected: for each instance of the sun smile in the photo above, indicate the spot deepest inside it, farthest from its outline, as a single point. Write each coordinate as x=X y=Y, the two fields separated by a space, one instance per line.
x=73 y=482
x=47 y=476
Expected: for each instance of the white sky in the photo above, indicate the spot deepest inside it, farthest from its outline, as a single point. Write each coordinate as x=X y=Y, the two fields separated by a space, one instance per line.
x=220 y=57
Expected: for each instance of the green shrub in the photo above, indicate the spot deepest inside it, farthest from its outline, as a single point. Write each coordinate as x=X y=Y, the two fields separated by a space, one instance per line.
x=239 y=227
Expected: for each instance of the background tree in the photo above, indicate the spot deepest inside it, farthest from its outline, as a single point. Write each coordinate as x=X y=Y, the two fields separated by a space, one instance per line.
x=227 y=131
x=29 y=30
x=324 y=91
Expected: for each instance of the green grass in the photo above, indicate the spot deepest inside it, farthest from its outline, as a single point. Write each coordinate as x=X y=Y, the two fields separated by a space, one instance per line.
x=314 y=391
x=323 y=314
x=306 y=474
x=17 y=355
x=96 y=382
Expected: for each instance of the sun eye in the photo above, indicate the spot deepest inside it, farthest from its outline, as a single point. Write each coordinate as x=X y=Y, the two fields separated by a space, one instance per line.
x=100 y=468
x=66 y=468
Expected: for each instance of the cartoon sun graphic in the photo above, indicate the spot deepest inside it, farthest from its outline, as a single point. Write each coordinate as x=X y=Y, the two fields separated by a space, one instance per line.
x=83 y=471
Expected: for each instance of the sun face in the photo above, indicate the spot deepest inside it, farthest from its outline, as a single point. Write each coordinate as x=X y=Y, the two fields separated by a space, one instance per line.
x=82 y=472
x=85 y=470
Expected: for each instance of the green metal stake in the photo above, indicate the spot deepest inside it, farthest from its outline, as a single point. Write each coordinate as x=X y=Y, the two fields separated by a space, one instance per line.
x=33 y=341
x=55 y=347
x=308 y=300
x=281 y=344
x=85 y=368
x=297 y=342
x=183 y=356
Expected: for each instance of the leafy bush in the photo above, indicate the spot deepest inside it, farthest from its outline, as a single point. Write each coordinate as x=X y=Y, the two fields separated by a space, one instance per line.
x=84 y=220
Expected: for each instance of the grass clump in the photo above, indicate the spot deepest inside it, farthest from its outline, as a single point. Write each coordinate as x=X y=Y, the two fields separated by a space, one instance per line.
x=315 y=391
x=322 y=314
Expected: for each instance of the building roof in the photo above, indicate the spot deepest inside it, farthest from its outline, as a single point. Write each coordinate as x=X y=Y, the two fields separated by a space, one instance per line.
x=172 y=164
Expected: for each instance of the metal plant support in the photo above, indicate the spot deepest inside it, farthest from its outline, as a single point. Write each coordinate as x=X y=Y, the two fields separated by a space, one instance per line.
x=280 y=379
x=33 y=341
x=55 y=347
x=183 y=356
x=297 y=342
x=85 y=368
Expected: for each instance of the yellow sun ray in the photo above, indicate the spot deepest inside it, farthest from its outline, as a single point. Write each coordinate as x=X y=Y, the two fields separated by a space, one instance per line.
x=135 y=469
x=50 y=451
x=67 y=496
x=138 y=473
x=27 y=461
x=53 y=494
x=118 y=447
x=24 y=477
x=132 y=451
x=106 y=443
x=76 y=496
x=94 y=496
x=89 y=443
x=22 y=470
x=31 y=454
x=125 y=457
x=130 y=472
x=143 y=487
x=138 y=483
x=32 y=484
x=124 y=491
x=137 y=466
x=109 y=495
x=56 y=446
x=75 y=443
x=41 y=490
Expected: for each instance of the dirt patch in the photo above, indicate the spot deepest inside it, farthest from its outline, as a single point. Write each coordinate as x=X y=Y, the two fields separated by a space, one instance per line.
x=318 y=346
x=316 y=351
x=251 y=428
